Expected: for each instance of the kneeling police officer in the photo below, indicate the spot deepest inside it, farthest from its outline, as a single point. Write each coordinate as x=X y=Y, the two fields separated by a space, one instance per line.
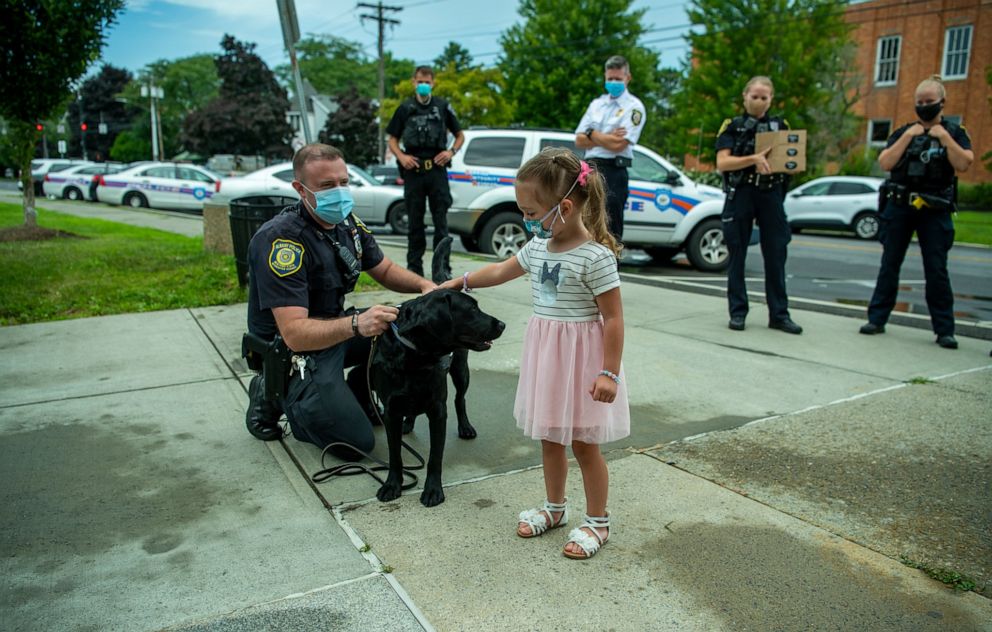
x=919 y=197
x=302 y=264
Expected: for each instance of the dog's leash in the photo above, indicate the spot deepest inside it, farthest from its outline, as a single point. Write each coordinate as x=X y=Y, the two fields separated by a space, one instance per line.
x=351 y=469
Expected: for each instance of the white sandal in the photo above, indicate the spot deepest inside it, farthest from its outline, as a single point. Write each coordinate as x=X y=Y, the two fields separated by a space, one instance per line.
x=541 y=520
x=589 y=541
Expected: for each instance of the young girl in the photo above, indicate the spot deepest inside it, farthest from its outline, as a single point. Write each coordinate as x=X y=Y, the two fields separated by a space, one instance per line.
x=571 y=390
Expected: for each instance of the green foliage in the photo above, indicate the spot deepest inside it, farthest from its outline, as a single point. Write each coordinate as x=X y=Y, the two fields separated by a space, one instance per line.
x=475 y=94
x=353 y=128
x=712 y=178
x=553 y=62
x=97 y=102
x=861 y=161
x=803 y=45
x=248 y=116
x=129 y=146
x=331 y=64
x=948 y=577
x=47 y=45
x=978 y=196
x=455 y=55
x=109 y=269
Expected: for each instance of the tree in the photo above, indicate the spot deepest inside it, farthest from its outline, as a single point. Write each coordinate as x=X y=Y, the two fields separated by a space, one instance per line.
x=353 y=128
x=97 y=103
x=48 y=45
x=553 y=62
x=795 y=42
x=249 y=115
x=188 y=84
x=476 y=95
x=454 y=55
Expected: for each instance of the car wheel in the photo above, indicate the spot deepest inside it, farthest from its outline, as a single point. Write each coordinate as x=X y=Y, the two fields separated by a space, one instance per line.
x=503 y=235
x=399 y=219
x=74 y=194
x=865 y=225
x=706 y=248
x=470 y=244
x=662 y=254
x=136 y=200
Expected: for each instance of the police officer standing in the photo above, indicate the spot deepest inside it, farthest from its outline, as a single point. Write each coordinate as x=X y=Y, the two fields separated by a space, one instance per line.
x=919 y=197
x=754 y=193
x=422 y=124
x=608 y=130
x=301 y=264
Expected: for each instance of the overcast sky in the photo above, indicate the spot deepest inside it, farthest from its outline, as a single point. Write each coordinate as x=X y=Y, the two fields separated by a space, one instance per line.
x=149 y=30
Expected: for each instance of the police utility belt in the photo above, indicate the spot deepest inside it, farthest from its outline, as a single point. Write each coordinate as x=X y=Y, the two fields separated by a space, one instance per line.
x=937 y=202
x=765 y=182
x=617 y=161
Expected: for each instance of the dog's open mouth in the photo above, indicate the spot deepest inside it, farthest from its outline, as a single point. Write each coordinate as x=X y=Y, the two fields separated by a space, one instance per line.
x=478 y=345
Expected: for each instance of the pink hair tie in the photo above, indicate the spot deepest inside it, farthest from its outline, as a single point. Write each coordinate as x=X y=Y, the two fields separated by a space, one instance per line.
x=584 y=171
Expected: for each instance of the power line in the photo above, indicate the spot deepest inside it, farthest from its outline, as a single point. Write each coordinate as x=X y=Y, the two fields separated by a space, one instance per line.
x=382 y=22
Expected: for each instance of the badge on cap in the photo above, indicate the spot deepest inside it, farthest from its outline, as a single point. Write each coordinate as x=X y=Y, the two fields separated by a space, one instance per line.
x=636 y=116
x=286 y=257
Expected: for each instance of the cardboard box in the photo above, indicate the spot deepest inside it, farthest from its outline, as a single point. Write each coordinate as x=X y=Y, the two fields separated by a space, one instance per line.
x=788 y=154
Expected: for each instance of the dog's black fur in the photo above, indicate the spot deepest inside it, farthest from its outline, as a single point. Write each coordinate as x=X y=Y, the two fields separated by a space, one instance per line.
x=414 y=381
x=441 y=272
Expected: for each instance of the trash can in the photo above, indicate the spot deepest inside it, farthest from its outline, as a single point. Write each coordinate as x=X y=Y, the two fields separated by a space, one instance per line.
x=247 y=214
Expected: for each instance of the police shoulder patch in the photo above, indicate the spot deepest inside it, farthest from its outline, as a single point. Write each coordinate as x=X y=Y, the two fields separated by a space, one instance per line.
x=286 y=257
x=361 y=224
x=723 y=128
x=636 y=116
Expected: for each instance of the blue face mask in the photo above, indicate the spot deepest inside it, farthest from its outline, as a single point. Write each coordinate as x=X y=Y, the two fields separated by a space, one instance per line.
x=615 y=88
x=333 y=205
x=424 y=89
x=536 y=226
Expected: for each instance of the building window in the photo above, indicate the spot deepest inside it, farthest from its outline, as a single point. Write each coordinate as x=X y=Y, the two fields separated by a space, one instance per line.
x=879 y=132
x=957 y=50
x=887 y=60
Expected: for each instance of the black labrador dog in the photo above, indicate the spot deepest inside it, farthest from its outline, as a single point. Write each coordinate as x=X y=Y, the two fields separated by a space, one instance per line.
x=441 y=272
x=409 y=371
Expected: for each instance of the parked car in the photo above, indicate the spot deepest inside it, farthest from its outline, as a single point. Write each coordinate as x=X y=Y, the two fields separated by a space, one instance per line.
x=43 y=166
x=78 y=182
x=666 y=211
x=375 y=203
x=848 y=203
x=162 y=185
x=386 y=174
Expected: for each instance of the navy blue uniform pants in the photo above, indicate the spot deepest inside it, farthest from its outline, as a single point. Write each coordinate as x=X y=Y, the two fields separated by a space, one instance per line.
x=419 y=186
x=765 y=206
x=935 y=232
x=617 y=184
x=323 y=407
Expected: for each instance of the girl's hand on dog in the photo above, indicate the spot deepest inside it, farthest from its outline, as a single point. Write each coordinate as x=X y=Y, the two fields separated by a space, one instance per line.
x=604 y=389
x=451 y=284
x=375 y=320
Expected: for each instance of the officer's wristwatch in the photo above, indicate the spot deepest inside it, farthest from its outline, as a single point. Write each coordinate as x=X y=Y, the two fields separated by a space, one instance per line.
x=354 y=325
x=589 y=132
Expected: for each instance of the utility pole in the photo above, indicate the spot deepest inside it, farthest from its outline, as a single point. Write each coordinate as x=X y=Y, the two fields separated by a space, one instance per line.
x=382 y=20
x=291 y=35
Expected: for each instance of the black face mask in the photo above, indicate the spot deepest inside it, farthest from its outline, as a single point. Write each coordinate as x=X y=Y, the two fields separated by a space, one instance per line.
x=930 y=111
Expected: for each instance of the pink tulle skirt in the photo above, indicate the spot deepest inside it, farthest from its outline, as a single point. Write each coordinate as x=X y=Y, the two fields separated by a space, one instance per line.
x=560 y=363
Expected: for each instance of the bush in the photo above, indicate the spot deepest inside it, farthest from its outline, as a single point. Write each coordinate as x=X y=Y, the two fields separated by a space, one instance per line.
x=712 y=178
x=861 y=162
x=975 y=196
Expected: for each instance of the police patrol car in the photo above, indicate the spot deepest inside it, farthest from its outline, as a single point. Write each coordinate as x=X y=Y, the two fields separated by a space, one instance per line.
x=74 y=183
x=159 y=185
x=666 y=211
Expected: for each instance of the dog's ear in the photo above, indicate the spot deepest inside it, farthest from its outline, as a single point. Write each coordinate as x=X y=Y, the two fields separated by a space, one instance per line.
x=440 y=269
x=427 y=318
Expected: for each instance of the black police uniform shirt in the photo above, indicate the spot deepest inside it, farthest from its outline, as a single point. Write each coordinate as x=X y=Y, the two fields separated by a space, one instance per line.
x=732 y=128
x=423 y=128
x=942 y=181
x=293 y=263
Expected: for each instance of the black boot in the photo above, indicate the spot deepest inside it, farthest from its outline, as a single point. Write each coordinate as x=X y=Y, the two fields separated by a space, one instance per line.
x=262 y=417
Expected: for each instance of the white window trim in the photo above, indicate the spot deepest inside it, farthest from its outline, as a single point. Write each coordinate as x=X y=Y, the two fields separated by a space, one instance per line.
x=967 y=55
x=878 y=60
x=871 y=125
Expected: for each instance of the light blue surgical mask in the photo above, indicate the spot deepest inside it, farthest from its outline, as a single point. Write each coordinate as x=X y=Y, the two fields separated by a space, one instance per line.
x=615 y=88
x=424 y=89
x=333 y=205
x=536 y=226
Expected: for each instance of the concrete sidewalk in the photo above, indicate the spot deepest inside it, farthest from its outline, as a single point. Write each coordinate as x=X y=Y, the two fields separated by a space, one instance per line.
x=771 y=482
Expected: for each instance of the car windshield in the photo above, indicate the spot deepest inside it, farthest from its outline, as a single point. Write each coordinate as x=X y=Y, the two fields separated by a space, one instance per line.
x=364 y=175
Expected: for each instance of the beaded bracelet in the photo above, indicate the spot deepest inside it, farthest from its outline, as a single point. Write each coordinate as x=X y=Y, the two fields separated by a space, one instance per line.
x=465 y=287
x=610 y=374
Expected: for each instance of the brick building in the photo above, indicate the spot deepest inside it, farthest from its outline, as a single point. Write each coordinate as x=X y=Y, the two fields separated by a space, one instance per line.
x=902 y=42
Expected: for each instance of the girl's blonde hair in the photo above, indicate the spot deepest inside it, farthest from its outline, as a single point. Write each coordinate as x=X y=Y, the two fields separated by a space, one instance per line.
x=553 y=171
x=933 y=81
x=762 y=80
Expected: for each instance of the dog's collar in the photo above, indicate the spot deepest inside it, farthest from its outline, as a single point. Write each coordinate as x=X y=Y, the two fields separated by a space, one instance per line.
x=406 y=343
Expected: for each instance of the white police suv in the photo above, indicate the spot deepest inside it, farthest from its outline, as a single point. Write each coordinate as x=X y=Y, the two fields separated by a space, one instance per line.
x=162 y=185
x=666 y=211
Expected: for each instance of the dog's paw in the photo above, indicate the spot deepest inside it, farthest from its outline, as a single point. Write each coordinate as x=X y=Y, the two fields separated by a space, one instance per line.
x=389 y=492
x=466 y=431
x=432 y=496
x=408 y=423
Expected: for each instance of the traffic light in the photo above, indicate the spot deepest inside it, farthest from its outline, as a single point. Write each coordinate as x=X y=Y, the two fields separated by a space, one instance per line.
x=82 y=126
x=39 y=127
